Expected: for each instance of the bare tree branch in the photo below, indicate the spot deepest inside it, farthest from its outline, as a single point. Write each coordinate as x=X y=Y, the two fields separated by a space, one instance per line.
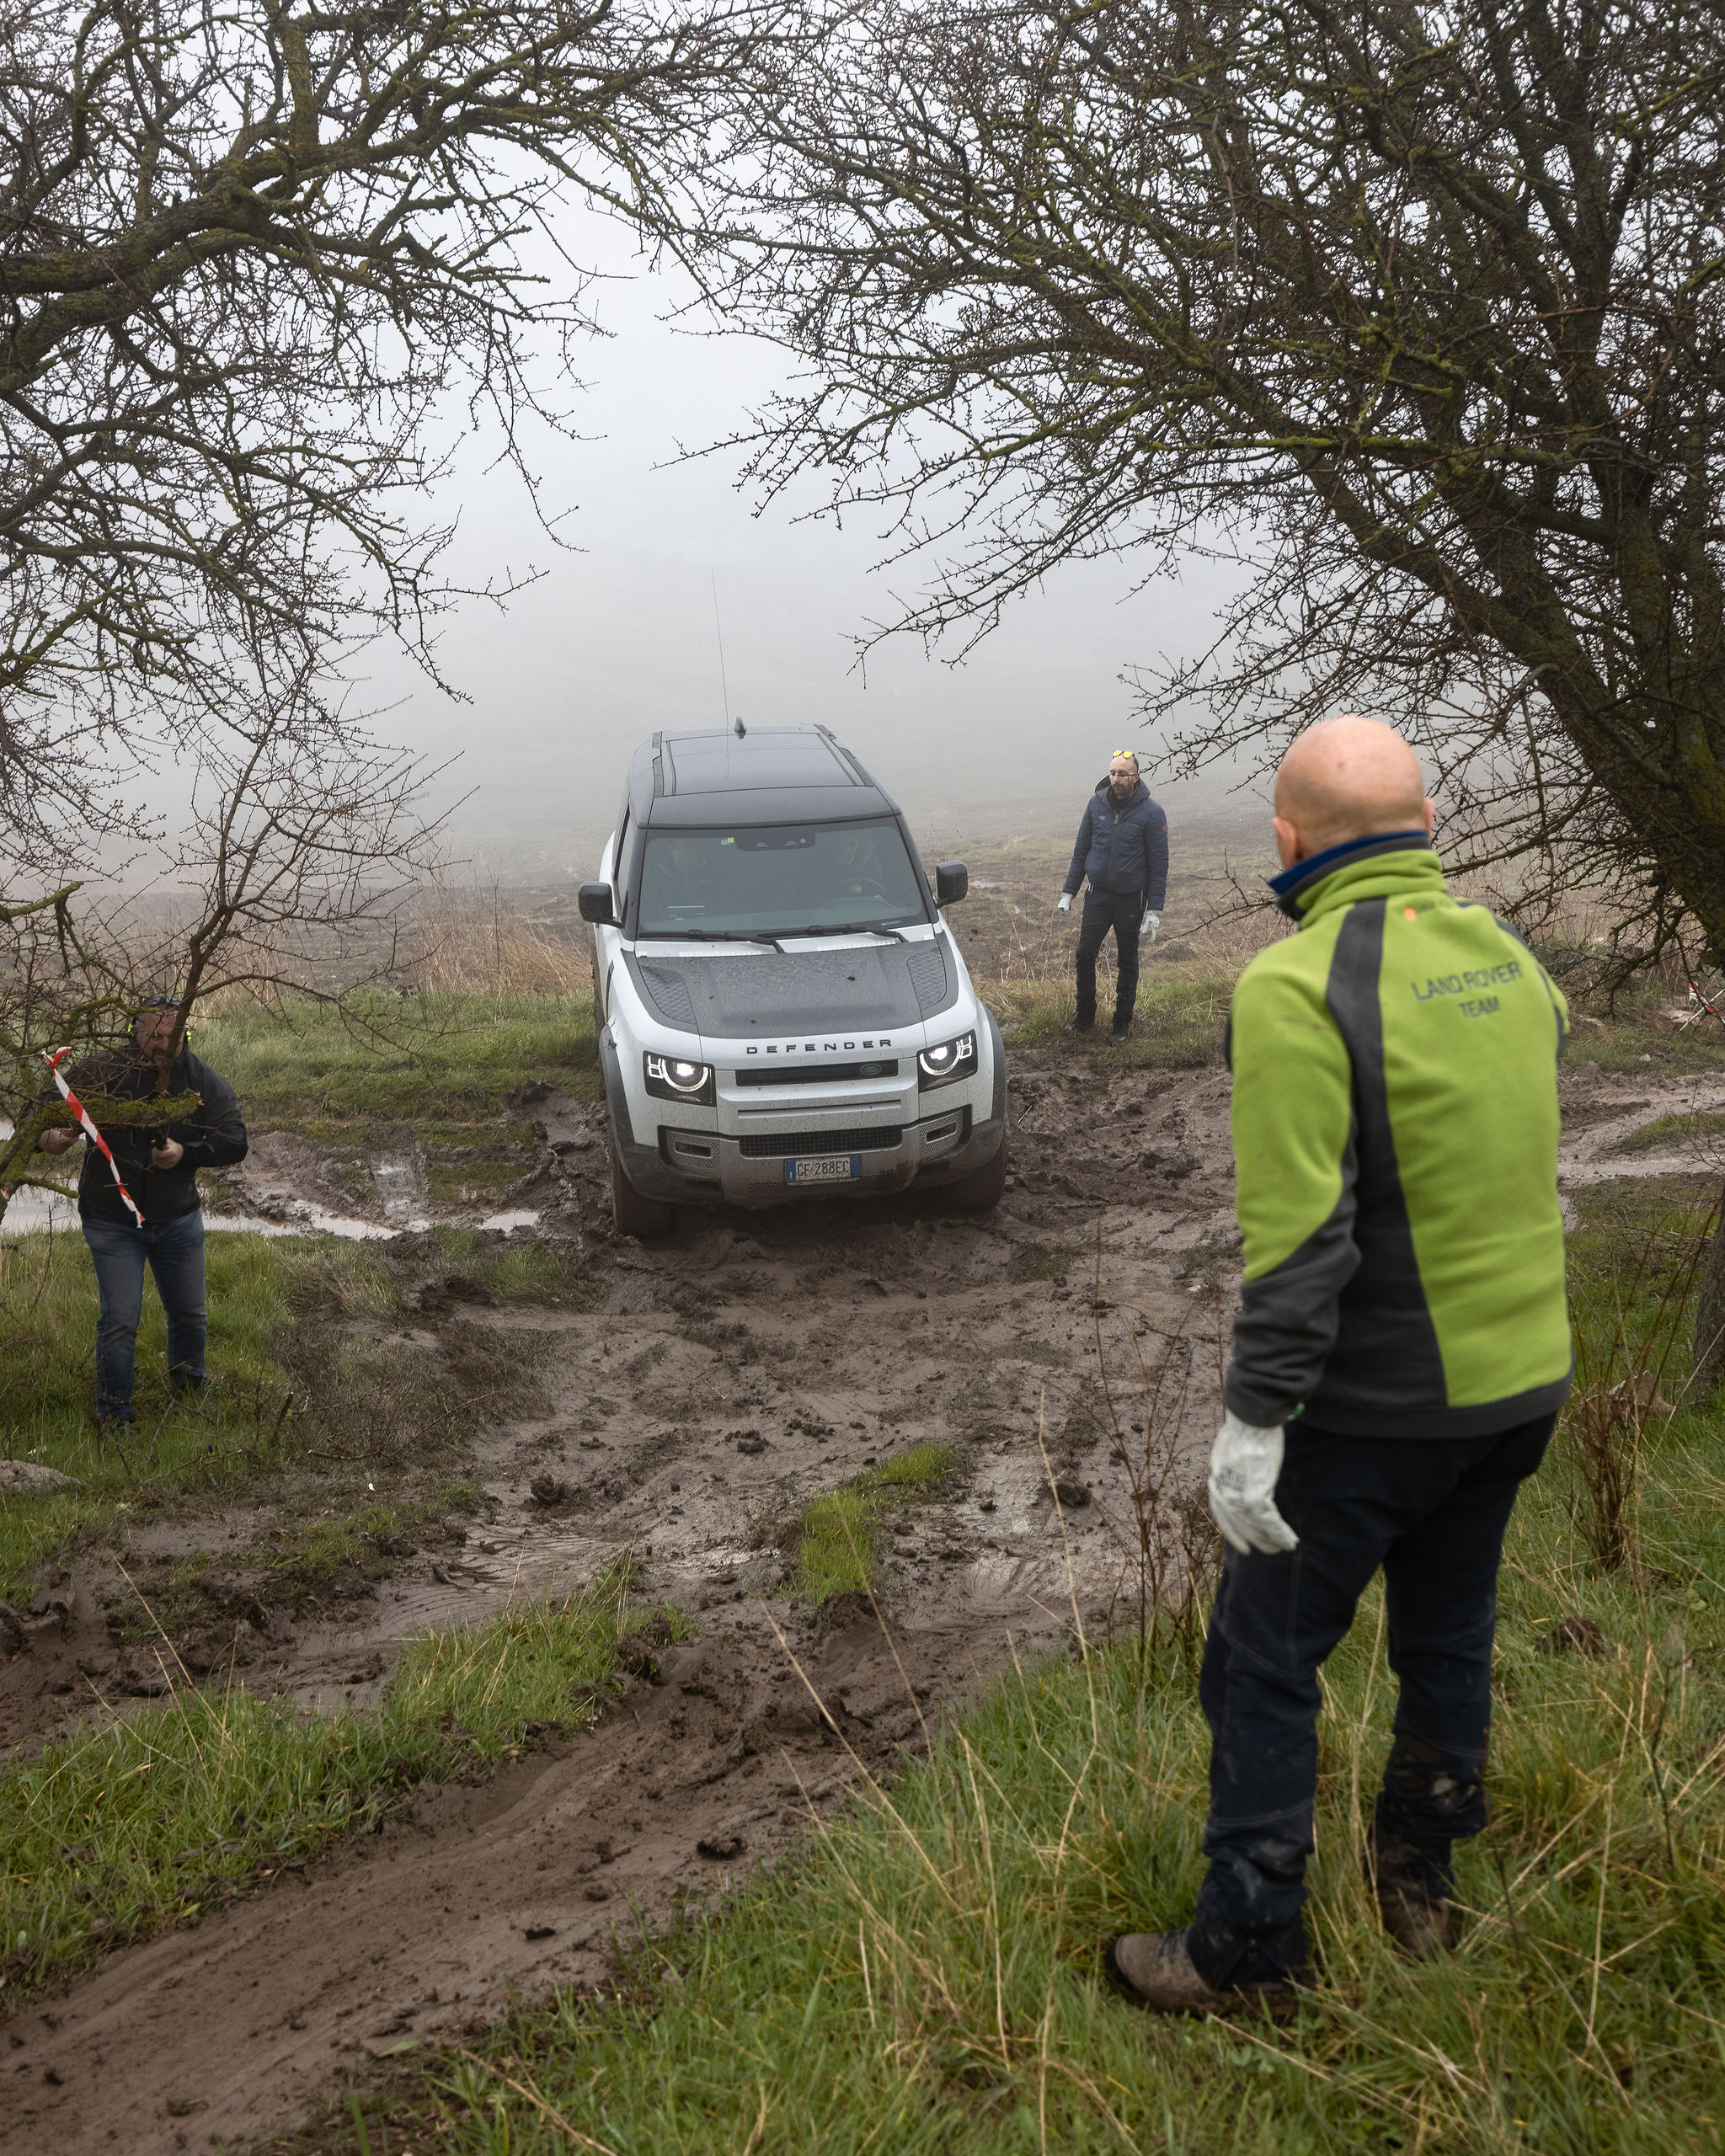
x=1413 y=310
x=245 y=252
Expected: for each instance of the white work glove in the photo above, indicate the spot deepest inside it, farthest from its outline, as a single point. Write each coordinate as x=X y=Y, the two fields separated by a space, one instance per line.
x=1153 y=922
x=1064 y=903
x=1244 y=1463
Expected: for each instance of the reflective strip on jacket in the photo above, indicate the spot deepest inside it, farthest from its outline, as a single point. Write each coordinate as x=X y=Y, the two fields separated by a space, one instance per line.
x=1395 y=1130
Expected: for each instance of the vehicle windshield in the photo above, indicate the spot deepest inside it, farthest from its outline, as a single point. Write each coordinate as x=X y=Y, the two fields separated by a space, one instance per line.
x=779 y=880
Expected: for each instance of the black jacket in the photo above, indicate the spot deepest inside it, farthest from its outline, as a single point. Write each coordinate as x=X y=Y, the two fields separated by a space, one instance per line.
x=1123 y=849
x=213 y=1136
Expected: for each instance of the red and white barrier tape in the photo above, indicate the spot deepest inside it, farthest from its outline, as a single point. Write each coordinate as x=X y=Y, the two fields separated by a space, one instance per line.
x=52 y=1058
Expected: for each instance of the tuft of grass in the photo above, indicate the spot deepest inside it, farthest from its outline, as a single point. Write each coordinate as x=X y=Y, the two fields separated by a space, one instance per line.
x=1673 y=1130
x=444 y=1057
x=1179 y=1025
x=523 y=1272
x=926 y=1976
x=151 y=1817
x=838 y=1537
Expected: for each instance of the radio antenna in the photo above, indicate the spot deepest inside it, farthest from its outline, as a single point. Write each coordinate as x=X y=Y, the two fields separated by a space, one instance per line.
x=724 y=686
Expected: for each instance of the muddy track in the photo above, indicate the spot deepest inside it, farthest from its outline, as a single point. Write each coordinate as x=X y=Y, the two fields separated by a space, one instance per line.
x=712 y=1386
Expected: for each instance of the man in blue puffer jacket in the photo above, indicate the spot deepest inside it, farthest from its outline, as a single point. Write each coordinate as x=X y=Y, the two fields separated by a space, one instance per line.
x=1123 y=848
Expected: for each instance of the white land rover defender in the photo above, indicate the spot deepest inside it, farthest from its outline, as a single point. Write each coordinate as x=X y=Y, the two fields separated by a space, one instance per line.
x=782 y=1012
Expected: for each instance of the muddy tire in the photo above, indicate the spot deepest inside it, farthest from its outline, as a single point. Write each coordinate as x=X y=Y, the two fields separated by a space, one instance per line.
x=982 y=1191
x=645 y=1219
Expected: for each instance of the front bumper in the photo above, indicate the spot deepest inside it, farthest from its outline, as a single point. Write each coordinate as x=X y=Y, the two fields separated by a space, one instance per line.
x=943 y=1144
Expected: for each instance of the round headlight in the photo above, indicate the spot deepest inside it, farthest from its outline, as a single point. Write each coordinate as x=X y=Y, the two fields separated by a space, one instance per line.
x=686 y=1077
x=947 y=1060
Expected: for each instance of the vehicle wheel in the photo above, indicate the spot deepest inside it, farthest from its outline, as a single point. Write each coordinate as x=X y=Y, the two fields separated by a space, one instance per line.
x=645 y=1219
x=982 y=1190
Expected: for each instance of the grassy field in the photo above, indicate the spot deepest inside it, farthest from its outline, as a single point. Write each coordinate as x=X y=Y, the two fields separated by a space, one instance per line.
x=145 y=1819
x=448 y=1057
x=298 y=1399
x=925 y=1977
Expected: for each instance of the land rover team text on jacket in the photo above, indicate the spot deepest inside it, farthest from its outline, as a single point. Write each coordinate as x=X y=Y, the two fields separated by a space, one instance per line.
x=1395 y=1126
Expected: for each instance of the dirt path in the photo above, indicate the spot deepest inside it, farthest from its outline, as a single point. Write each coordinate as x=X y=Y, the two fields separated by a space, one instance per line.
x=717 y=1383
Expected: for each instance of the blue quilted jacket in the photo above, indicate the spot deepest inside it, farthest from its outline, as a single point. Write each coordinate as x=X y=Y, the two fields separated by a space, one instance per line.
x=1123 y=849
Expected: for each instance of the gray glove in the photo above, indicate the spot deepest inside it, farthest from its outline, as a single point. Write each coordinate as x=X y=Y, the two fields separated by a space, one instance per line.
x=1244 y=1463
x=1153 y=922
x=1064 y=903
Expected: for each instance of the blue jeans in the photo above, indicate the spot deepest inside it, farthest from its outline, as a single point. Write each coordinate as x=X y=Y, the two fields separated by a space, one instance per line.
x=1432 y=1511
x=175 y=1252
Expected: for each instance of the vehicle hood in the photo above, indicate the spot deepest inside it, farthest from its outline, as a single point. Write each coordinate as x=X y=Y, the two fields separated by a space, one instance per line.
x=738 y=993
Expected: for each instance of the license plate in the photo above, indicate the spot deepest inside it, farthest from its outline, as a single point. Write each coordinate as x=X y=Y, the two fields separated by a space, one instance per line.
x=831 y=1168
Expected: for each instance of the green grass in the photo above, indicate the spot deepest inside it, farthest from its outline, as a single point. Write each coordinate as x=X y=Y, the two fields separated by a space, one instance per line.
x=838 y=1538
x=926 y=1976
x=1673 y=1130
x=517 y=1272
x=448 y=1058
x=148 y=1818
x=256 y=1286
x=290 y=1383
x=1178 y=1025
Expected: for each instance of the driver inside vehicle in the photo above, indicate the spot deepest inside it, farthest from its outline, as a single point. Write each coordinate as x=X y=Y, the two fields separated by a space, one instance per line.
x=689 y=886
x=852 y=869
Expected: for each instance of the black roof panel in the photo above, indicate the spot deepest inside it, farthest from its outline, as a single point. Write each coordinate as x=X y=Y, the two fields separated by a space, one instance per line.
x=773 y=756
x=776 y=804
x=770 y=775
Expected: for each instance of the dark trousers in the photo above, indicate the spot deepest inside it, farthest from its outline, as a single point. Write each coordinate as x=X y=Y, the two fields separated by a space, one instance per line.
x=1432 y=1511
x=175 y=1253
x=1124 y=912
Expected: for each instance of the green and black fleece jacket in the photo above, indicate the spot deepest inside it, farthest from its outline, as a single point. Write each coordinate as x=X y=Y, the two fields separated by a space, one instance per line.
x=1395 y=1128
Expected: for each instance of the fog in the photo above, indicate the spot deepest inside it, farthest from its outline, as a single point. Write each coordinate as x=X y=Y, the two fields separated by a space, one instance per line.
x=618 y=638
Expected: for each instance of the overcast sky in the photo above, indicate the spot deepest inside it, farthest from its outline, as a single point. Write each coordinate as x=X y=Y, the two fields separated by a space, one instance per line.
x=618 y=638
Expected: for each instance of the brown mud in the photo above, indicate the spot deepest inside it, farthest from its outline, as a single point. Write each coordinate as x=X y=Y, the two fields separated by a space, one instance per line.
x=701 y=1393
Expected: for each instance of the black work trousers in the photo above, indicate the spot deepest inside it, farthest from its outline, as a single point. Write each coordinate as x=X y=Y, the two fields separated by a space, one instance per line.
x=1124 y=912
x=1432 y=1511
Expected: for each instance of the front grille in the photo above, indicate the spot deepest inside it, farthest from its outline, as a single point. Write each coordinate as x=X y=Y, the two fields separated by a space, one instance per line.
x=815 y=1074
x=780 y=1144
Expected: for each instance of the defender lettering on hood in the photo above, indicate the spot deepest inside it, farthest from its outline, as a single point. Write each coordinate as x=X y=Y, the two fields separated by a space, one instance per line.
x=811 y=1047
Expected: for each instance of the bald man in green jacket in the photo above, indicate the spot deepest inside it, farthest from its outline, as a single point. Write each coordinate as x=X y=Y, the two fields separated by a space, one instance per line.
x=1400 y=1357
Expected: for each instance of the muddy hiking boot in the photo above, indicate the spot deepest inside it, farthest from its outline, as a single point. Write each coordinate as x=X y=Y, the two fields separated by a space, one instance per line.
x=1079 y=1026
x=1154 y=1970
x=1121 y=1029
x=1412 y=1889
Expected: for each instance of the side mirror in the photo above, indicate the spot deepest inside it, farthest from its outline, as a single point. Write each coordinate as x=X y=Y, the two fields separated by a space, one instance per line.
x=951 y=881
x=595 y=901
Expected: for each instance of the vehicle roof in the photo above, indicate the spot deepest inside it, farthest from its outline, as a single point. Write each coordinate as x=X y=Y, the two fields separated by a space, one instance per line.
x=769 y=775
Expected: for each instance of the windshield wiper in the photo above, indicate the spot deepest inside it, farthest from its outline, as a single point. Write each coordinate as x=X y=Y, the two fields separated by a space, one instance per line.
x=851 y=928
x=710 y=936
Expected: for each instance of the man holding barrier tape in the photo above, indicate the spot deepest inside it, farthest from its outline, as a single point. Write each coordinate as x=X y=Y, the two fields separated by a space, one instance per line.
x=137 y=1200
